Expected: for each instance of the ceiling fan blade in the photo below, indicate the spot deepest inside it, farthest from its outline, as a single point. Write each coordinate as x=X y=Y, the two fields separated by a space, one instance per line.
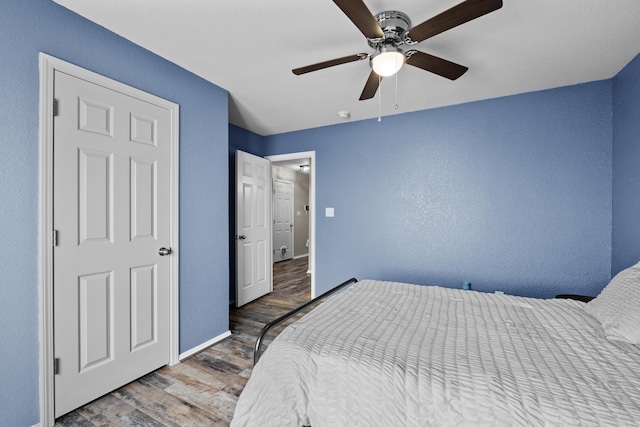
x=457 y=15
x=330 y=63
x=362 y=17
x=436 y=65
x=371 y=87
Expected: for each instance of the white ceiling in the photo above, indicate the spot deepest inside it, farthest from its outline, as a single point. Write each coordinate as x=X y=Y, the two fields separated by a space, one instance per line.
x=293 y=165
x=249 y=48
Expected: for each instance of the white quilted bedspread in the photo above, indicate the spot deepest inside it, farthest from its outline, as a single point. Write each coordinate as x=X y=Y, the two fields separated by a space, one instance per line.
x=393 y=354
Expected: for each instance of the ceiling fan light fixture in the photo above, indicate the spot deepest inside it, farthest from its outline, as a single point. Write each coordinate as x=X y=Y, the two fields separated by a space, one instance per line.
x=387 y=61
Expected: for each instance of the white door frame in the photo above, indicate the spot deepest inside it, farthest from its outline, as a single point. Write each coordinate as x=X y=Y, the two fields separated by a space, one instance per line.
x=48 y=65
x=311 y=155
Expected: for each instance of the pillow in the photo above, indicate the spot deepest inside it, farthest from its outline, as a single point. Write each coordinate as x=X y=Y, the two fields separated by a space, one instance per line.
x=618 y=306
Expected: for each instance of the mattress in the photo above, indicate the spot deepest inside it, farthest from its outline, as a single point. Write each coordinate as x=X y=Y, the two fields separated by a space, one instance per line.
x=395 y=354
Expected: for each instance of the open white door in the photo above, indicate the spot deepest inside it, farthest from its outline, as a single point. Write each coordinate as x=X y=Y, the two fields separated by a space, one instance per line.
x=112 y=218
x=282 y=220
x=254 y=274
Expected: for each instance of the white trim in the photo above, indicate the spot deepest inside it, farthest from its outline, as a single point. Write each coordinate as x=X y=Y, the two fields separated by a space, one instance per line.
x=45 y=243
x=174 y=302
x=301 y=256
x=48 y=65
x=204 y=345
x=311 y=155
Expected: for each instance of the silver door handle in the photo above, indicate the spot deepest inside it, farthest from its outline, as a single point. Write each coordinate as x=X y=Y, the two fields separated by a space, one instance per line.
x=164 y=251
x=242 y=237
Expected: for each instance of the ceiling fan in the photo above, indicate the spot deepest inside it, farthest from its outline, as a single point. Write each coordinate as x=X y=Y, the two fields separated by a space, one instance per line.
x=386 y=32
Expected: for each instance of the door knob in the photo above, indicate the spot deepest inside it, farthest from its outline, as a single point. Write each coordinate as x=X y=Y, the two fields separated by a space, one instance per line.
x=164 y=251
x=242 y=237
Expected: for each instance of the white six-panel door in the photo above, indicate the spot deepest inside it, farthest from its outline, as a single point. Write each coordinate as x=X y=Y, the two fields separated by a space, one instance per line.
x=112 y=215
x=254 y=276
x=282 y=220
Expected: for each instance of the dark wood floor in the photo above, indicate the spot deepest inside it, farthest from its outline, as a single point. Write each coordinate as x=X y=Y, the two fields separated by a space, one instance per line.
x=203 y=389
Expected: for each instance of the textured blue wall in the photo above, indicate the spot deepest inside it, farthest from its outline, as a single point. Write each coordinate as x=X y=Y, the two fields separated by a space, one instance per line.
x=626 y=167
x=28 y=27
x=510 y=194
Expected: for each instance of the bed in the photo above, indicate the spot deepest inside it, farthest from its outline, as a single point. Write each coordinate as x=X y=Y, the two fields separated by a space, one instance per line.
x=396 y=354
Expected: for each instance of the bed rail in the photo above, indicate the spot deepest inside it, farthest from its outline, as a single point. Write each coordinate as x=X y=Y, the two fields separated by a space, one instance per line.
x=257 y=351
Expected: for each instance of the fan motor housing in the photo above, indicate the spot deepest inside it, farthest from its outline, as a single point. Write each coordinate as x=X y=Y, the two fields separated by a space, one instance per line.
x=395 y=26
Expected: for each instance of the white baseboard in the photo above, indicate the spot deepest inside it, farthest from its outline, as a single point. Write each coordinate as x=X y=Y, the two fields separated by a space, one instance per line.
x=301 y=256
x=204 y=345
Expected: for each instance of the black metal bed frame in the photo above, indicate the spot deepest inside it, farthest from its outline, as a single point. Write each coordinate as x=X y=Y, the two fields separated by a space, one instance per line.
x=257 y=351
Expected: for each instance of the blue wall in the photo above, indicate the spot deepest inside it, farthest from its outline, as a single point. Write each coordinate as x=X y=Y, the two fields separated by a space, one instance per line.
x=510 y=194
x=626 y=167
x=28 y=27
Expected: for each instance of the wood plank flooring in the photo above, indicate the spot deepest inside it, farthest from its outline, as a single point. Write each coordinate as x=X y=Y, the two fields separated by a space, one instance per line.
x=203 y=389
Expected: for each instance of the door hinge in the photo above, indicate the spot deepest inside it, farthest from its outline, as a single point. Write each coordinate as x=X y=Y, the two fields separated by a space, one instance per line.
x=56 y=366
x=55 y=238
x=55 y=107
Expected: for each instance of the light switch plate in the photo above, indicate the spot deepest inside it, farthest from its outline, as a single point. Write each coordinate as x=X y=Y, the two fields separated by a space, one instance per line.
x=328 y=212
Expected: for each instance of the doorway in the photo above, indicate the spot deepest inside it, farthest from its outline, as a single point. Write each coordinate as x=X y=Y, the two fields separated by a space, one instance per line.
x=239 y=238
x=296 y=160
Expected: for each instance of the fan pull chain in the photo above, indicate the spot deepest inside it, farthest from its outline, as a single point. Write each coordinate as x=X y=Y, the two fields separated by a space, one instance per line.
x=396 y=83
x=379 y=99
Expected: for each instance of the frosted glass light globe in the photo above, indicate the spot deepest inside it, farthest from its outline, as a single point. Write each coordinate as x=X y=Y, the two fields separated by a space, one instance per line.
x=388 y=62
